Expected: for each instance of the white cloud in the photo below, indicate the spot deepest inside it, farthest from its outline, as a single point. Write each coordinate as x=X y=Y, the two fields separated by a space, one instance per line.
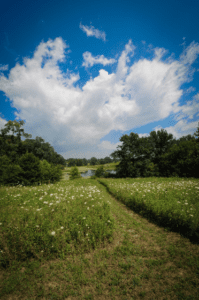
x=2 y=123
x=91 y=31
x=90 y=60
x=182 y=128
x=109 y=146
x=190 y=54
x=74 y=120
x=3 y=67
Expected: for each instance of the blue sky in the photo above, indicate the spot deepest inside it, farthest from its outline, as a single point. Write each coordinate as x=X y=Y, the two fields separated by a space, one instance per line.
x=83 y=73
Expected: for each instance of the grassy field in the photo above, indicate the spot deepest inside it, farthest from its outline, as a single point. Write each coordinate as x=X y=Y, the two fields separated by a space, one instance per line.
x=78 y=240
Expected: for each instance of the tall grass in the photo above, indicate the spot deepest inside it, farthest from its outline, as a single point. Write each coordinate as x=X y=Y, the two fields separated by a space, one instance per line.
x=52 y=220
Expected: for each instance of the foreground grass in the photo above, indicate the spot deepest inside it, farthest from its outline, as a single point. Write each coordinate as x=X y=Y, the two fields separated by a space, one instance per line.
x=126 y=258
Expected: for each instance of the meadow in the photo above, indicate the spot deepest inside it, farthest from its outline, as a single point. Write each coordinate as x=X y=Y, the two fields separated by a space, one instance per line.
x=100 y=239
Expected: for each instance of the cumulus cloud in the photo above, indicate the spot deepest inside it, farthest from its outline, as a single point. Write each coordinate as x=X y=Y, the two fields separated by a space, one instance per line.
x=92 y=31
x=74 y=119
x=90 y=60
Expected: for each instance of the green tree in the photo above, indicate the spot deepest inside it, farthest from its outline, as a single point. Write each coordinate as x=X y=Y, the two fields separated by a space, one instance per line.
x=46 y=171
x=93 y=161
x=31 y=169
x=134 y=154
x=182 y=160
x=9 y=172
x=74 y=173
x=100 y=171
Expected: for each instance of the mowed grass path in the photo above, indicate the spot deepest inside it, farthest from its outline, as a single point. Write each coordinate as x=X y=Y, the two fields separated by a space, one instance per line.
x=142 y=261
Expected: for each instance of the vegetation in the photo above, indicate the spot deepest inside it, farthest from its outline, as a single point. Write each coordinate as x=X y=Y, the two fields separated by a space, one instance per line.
x=74 y=174
x=73 y=239
x=158 y=155
x=122 y=238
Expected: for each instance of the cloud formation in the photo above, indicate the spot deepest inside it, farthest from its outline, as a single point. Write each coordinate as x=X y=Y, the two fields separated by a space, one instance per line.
x=92 y=31
x=90 y=60
x=74 y=119
x=3 y=67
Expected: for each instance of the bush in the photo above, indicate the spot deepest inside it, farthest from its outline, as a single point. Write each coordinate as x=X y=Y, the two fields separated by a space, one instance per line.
x=100 y=171
x=74 y=173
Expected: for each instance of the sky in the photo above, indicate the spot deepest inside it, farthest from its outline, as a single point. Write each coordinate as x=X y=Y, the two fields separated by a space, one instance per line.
x=81 y=74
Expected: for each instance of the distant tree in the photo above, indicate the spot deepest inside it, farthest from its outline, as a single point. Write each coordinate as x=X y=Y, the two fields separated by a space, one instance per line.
x=79 y=162
x=107 y=160
x=101 y=161
x=84 y=161
x=93 y=161
x=196 y=134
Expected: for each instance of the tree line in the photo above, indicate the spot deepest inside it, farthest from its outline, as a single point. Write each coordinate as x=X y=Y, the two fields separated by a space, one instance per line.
x=158 y=155
x=27 y=162
x=71 y=162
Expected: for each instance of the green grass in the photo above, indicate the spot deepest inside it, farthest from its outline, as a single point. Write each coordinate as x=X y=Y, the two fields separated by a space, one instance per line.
x=79 y=240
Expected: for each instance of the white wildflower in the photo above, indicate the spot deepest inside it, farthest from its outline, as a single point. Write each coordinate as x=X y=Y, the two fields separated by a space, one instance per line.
x=53 y=233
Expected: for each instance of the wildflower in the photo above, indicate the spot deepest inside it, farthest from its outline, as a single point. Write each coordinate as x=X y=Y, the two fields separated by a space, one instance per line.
x=50 y=204
x=108 y=221
x=191 y=215
x=53 y=233
x=37 y=225
x=62 y=227
x=85 y=202
x=51 y=194
x=93 y=205
x=0 y=223
x=84 y=217
x=88 y=208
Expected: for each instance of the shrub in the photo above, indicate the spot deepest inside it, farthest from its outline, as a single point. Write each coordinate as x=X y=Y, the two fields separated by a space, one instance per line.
x=100 y=171
x=74 y=173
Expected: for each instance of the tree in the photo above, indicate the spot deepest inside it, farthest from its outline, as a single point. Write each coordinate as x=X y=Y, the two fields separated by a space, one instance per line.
x=182 y=160
x=31 y=170
x=10 y=143
x=100 y=171
x=46 y=171
x=133 y=154
x=93 y=161
x=74 y=174
x=196 y=134
x=107 y=160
